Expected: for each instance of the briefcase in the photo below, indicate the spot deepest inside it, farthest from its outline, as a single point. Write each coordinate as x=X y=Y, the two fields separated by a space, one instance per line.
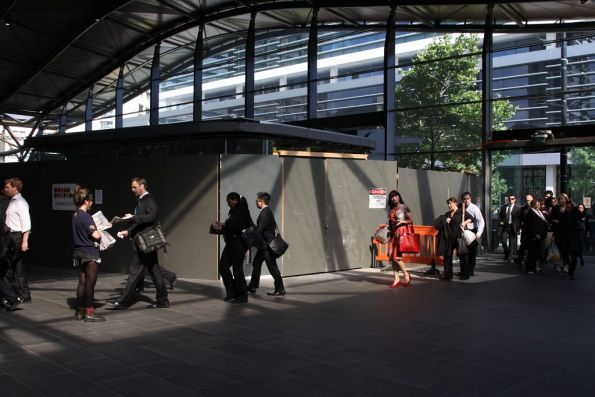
x=150 y=240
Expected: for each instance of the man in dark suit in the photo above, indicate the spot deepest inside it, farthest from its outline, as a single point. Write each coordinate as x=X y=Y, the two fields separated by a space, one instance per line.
x=509 y=219
x=265 y=233
x=145 y=215
x=523 y=228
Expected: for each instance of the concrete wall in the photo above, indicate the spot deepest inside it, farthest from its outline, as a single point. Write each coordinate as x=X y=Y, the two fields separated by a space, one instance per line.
x=321 y=205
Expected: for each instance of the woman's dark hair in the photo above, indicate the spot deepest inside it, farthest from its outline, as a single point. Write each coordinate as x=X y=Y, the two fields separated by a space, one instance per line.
x=233 y=196
x=236 y=197
x=80 y=195
x=451 y=200
x=392 y=194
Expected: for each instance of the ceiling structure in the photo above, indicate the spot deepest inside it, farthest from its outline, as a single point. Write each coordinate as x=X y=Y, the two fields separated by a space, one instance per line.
x=52 y=53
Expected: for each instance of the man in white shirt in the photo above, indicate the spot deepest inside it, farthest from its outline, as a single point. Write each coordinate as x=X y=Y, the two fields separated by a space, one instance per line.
x=17 y=228
x=477 y=227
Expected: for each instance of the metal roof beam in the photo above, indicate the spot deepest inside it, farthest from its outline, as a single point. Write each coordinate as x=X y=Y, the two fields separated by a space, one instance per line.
x=62 y=46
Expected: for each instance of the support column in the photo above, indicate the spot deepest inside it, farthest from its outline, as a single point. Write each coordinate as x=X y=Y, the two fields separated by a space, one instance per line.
x=389 y=86
x=62 y=122
x=119 y=107
x=198 y=63
x=486 y=127
x=155 y=82
x=312 y=91
x=564 y=178
x=89 y=111
x=249 y=68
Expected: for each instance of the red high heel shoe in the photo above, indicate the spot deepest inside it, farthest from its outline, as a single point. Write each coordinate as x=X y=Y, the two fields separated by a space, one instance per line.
x=396 y=284
x=407 y=283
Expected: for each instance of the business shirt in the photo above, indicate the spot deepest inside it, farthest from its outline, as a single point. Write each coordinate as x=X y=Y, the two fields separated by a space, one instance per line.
x=17 y=215
x=478 y=222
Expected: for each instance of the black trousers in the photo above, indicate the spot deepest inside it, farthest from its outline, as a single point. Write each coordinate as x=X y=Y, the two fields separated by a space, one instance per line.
x=16 y=273
x=509 y=241
x=472 y=257
x=533 y=253
x=232 y=257
x=140 y=263
x=266 y=256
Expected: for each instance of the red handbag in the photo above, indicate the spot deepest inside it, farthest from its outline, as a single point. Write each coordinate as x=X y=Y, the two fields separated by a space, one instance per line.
x=408 y=240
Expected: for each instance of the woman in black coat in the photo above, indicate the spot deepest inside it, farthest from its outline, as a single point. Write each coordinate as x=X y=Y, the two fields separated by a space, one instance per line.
x=449 y=226
x=235 y=248
x=536 y=226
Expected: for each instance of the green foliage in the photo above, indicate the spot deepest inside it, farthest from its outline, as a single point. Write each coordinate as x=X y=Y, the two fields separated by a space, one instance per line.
x=440 y=105
x=583 y=172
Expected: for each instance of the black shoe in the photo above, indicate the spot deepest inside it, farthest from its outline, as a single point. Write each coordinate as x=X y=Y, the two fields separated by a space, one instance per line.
x=172 y=283
x=240 y=299
x=12 y=306
x=228 y=299
x=277 y=293
x=116 y=306
x=250 y=289
x=159 y=305
x=79 y=315
x=93 y=318
x=446 y=278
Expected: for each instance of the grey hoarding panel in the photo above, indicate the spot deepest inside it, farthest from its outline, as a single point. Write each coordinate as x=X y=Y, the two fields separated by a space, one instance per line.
x=304 y=210
x=349 y=220
x=426 y=192
x=185 y=189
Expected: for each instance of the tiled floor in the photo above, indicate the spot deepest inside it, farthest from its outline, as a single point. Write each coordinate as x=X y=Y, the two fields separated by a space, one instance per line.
x=502 y=333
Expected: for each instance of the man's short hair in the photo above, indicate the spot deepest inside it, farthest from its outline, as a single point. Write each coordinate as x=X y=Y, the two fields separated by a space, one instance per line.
x=141 y=181
x=14 y=182
x=465 y=194
x=264 y=197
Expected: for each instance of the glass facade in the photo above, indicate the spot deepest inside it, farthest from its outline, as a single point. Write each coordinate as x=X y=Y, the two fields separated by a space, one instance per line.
x=437 y=117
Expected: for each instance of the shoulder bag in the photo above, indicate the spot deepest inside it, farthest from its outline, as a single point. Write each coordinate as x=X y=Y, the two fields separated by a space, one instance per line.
x=408 y=240
x=381 y=235
x=150 y=239
x=277 y=245
x=462 y=248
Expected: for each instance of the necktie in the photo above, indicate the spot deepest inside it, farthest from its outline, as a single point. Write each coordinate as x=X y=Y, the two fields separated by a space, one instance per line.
x=509 y=214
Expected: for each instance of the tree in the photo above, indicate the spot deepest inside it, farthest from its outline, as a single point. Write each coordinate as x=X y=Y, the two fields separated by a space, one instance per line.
x=583 y=172
x=439 y=105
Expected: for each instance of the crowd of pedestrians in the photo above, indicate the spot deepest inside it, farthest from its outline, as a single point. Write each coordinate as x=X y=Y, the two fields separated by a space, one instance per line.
x=552 y=229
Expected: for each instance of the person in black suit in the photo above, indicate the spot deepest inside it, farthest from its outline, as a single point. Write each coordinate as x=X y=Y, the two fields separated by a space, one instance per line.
x=522 y=217
x=145 y=215
x=509 y=219
x=264 y=234
x=235 y=248
x=536 y=227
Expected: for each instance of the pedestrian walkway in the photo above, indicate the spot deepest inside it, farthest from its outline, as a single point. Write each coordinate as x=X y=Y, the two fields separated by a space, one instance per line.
x=501 y=333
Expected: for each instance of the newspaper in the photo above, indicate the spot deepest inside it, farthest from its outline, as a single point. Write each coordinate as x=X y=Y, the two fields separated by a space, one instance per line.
x=107 y=241
x=119 y=219
x=101 y=221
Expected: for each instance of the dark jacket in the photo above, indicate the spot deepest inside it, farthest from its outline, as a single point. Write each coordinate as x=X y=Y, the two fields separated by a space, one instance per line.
x=516 y=217
x=145 y=215
x=265 y=228
x=535 y=227
x=448 y=231
x=237 y=220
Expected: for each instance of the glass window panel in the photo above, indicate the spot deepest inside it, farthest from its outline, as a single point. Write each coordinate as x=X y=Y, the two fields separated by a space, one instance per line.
x=280 y=75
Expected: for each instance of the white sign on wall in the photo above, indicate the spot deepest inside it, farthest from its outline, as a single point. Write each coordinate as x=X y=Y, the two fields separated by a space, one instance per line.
x=62 y=196
x=377 y=197
x=587 y=201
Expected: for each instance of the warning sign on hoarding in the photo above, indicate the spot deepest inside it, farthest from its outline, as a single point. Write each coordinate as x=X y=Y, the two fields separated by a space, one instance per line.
x=377 y=197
